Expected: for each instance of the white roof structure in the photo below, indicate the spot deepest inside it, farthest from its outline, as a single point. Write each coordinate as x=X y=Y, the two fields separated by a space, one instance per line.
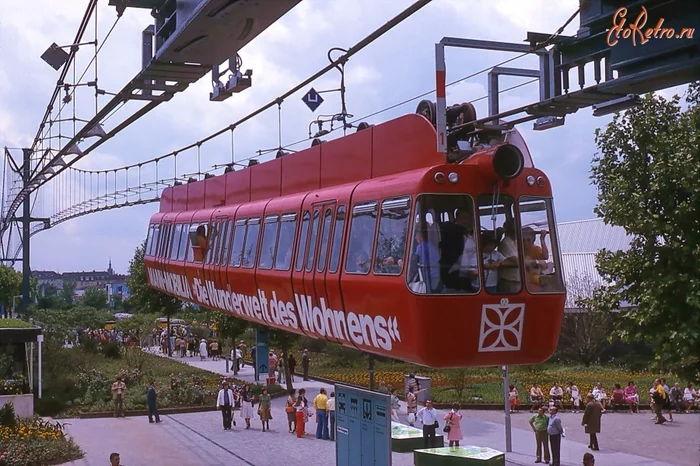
x=579 y=242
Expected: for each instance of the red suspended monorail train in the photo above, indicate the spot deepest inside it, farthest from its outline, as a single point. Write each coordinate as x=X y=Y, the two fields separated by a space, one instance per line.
x=375 y=241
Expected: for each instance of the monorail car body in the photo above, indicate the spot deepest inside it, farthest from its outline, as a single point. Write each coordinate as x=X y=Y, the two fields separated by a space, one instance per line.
x=339 y=242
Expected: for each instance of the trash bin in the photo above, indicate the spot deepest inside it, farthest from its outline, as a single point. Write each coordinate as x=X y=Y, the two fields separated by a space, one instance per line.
x=421 y=383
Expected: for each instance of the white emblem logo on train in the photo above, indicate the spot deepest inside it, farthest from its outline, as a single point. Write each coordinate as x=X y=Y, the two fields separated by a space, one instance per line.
x=265 y=307
x=501 y=327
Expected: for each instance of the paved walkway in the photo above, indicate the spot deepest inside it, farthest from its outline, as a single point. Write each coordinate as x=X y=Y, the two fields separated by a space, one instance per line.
x=197 y=439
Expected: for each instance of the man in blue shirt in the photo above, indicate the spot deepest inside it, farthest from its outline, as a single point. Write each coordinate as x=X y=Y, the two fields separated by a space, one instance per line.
x=428 y=417
x=555 y=431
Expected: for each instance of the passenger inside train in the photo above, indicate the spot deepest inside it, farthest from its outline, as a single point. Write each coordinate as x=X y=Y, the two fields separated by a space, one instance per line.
x=444 y=258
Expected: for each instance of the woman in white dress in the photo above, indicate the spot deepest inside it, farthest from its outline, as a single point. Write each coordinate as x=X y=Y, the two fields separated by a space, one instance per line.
x=247 y=405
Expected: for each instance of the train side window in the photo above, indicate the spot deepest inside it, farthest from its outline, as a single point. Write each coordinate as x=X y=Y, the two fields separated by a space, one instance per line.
x=158 y=239
x=183 y=249
x=540 y=251
x=362 y=227
x=391 y=240
x=225 y=243
x=164 y=236
x=325 y=237
x=337 y=240
x=149 y=240
x=500 y=250
x=444 y=256
x=269 y=241
x=199 y=241
x=168 y=241
x=237 y=244
x=154 y=244
x=312 y=242
x=301 y=246
x=285 y=244
x=252 y=237
x=213 y=241
x=176 y=242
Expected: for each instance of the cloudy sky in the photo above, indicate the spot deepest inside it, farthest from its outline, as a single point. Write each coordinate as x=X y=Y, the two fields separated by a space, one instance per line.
x=395 y=68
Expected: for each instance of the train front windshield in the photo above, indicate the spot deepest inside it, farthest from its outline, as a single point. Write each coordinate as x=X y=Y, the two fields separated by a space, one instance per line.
x=498 y=245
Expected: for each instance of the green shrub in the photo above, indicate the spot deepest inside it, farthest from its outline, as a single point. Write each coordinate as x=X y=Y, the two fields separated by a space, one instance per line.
x=49 y=406
x=112 y=350
x=88 y=344
x=7 y=415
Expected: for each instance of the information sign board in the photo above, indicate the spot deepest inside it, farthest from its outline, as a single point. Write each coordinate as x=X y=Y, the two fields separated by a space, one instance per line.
x=363 y=427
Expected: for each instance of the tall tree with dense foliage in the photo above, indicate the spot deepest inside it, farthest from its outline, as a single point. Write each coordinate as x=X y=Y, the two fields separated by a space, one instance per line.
x=67 y=292
x=145 y=297
x=10 y=284
x=95 y=297
x=647 y=173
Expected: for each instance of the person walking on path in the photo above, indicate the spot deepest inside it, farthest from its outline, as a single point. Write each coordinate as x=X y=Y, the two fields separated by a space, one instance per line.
x=247 y=405
x=320 y=406
x=428 y=417
x=452 y=420
x=292 y=365
x=152 y=402
x=224 y=401
x=395 y=406
x=588 y=459
x=591 y=420
x=203 y=350
x=539 y=426
x=302 y=415
x=305 y=360
x=331 y=414
x=118 y=392
x=291 y=411
x=264 y=409
x=555 y=431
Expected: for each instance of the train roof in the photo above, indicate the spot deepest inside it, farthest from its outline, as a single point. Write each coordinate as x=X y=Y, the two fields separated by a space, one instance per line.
x=405 y=143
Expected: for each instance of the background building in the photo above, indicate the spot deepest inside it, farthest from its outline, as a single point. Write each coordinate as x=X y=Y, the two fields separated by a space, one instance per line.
x=579 y=242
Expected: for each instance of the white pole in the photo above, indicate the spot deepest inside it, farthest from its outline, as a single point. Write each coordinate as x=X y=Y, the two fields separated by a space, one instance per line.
x=31 y=367
x=506 y=395
x=39 y=339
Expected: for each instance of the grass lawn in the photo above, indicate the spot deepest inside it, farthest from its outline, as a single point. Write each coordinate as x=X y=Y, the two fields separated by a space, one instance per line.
x=483 y=384
x=79 y=381
x=14 y=323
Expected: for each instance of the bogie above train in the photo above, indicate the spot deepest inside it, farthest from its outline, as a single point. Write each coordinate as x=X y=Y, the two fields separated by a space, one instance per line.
x=439 y=264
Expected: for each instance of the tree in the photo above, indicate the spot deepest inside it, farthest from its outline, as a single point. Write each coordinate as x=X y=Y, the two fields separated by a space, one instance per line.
x=647 y=174
x=67 y=292
x=284 y=340
x=146 y=297
x=60 y=323
x=587 y=327
x=10 y=284
x=95 y=297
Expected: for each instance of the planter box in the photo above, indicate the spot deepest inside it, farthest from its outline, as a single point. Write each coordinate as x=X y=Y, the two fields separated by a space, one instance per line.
x=405 y=438
x=459 y=456
x=24 y=404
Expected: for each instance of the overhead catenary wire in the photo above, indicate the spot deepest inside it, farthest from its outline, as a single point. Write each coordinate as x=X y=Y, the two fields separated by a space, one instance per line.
x=342 y=60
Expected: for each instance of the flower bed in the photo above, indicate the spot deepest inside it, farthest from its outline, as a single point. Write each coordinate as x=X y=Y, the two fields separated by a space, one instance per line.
x=33 y=442
x=15 y=323
x=486 y=386
x=13 y=386
x=84 y=384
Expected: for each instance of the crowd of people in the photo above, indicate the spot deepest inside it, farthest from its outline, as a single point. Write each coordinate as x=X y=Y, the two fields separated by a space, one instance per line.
x=674 y=398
